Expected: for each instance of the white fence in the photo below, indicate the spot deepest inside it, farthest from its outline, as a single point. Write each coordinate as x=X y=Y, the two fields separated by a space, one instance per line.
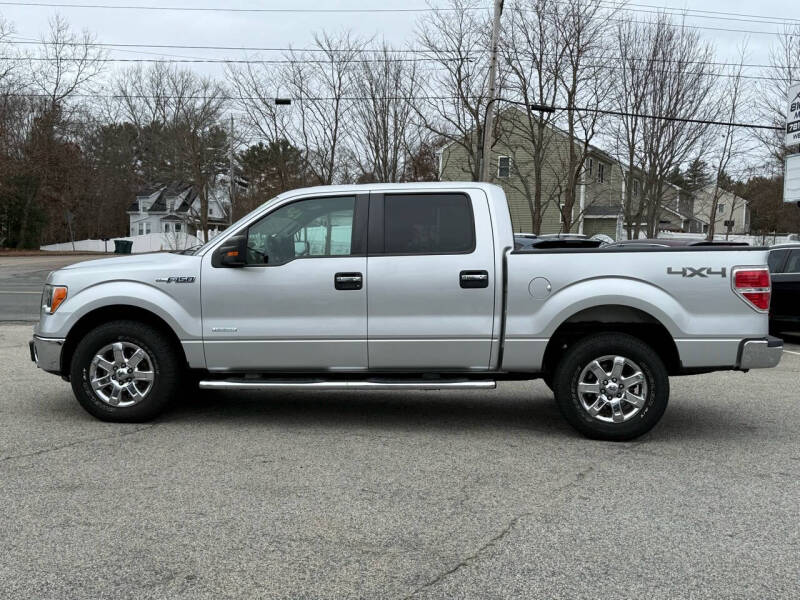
x=151 y=242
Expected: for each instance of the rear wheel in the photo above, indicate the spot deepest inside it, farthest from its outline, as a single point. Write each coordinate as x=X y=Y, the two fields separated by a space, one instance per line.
x=125 y=371
x=611 y=386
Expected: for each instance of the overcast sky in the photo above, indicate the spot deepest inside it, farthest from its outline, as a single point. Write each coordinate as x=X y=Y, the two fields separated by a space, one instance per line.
x=248 y=29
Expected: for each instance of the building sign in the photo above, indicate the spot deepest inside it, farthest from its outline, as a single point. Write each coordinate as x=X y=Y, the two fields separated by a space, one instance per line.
x=791 y=179
x=793 y=116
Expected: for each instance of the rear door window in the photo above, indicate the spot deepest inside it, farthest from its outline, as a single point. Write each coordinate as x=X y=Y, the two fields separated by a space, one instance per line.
x=793 y=264
x=428 y=224
x=776 y=260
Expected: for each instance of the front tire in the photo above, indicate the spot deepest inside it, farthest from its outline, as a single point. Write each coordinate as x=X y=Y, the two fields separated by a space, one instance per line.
x=125 y=371
x=611 y=386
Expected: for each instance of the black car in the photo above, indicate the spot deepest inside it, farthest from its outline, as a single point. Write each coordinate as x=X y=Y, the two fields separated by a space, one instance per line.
x=784 y=267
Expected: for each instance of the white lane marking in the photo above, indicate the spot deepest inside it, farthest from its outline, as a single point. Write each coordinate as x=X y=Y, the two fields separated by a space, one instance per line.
x=5 y=292
x=792 y=352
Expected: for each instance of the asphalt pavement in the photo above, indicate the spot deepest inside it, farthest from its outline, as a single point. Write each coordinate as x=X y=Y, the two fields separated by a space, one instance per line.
x=398 y=494
x=21 y=281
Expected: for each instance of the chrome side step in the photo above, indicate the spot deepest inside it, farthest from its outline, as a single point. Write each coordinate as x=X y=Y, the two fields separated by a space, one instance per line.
x=366 y=384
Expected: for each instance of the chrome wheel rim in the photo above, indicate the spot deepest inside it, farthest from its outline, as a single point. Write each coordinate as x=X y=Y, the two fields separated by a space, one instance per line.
x=612 y=389
x=121 y=374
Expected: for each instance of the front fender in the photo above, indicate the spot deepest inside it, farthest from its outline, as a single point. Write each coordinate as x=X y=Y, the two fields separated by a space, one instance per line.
x=178 y=306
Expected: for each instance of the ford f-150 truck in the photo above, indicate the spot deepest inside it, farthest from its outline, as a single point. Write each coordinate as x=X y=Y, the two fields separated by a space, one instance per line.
x=404 y=286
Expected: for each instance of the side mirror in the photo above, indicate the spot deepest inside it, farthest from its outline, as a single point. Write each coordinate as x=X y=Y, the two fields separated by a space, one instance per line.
x=232 y=253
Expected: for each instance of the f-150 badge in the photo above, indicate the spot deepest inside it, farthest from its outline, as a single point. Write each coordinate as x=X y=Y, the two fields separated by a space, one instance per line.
x=696 y=271
x=175 y=280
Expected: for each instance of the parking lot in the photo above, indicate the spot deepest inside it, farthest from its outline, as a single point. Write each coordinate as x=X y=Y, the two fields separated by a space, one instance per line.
x=398 y=494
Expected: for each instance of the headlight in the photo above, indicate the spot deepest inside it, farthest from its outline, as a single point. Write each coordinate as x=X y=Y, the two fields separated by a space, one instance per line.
x=52 y=297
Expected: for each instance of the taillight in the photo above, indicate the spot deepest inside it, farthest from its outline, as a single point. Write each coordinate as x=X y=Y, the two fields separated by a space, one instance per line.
x=753 y=285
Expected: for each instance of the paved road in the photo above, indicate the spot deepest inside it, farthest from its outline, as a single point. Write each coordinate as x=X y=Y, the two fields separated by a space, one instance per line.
x=21 y=281
x=398 y=495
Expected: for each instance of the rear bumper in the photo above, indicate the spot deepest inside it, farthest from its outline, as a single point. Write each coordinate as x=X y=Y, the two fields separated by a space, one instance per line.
x=762 y=353
x=46 y=353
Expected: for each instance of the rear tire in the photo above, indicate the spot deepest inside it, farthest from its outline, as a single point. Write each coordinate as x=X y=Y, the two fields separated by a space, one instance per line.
x=125 y=371
x=611 y=386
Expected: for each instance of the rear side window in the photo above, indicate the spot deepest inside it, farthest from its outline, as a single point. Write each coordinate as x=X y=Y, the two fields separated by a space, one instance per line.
x=775 y=260
x=428 y=224
x=793 y=265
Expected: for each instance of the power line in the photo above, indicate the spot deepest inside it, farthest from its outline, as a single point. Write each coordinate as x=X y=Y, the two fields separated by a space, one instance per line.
x=659 y=10
x=225 y=61
x=377 y=51
x=230 y=9
x=225 y=97
x=620 y=113
x=731 y=16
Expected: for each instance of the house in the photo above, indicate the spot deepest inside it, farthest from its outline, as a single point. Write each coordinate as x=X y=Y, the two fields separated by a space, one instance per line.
x=733 y=212
x=601 y=197
x=175 y=208
x=678 y=212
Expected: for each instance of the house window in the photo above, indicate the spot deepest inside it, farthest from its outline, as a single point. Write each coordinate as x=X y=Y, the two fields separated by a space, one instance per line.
x=721 y=208
x=147 y=228
x=210 y=211
x=177 y=227
x=170 y=205
x=166 y=227
x=141 y=228
x=601 y=172
x=635 y=188
x=503 y=166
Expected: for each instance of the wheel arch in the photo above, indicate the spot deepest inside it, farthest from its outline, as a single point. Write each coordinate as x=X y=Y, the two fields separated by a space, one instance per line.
x=613 y=318
x=114 y=312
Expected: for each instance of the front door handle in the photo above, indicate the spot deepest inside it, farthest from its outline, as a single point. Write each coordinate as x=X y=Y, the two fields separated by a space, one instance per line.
x=474 y=279
x=348 y=281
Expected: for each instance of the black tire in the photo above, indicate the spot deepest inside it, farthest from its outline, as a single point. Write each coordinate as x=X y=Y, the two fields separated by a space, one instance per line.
x=580 y=355
x=163 y=361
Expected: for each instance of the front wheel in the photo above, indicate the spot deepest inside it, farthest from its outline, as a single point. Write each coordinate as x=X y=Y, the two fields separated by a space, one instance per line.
x=611 y=386
x=125 y=371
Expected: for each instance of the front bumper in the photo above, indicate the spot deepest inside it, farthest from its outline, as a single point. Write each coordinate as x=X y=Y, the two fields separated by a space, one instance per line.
x=763 y=353
x=46 y=353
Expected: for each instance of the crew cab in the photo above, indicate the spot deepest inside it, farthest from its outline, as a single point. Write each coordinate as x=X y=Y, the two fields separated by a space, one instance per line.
x=404 y=286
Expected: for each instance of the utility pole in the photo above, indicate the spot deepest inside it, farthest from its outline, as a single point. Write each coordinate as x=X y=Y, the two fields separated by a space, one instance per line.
x=489 y=123
x=231 y=187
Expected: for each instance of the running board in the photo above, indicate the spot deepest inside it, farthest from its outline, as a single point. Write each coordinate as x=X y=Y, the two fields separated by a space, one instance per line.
x=367 y=384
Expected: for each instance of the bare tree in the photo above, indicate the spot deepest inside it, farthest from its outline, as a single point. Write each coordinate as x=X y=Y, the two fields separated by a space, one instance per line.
x=385 y=85
x=534 y=59
x=734 y=145
x=784 y=69
x=582 y=28
x=178 y=118
x=453 y=97
x=321 y=82
x=666 y=87
x=635 y=45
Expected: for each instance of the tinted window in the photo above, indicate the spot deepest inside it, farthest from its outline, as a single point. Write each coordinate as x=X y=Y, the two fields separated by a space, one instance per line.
x=428 y=224
x=775 y=260
x=793 y=265
x=314 y=227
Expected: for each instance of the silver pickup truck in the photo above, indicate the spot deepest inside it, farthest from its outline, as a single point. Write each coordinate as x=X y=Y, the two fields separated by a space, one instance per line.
x=404 y=286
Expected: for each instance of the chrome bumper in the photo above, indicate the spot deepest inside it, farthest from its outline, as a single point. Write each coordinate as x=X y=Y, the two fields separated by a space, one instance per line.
x=760 y=354
x=46 y=353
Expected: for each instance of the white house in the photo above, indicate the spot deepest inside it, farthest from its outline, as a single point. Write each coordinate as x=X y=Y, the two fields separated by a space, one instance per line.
x=175 y=208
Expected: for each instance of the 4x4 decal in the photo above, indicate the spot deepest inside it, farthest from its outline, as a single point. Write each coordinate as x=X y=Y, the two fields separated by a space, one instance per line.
x=696 y=271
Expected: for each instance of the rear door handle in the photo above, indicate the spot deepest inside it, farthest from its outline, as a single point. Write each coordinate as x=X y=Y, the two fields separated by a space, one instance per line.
x=348 y=281
x=474 y=279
